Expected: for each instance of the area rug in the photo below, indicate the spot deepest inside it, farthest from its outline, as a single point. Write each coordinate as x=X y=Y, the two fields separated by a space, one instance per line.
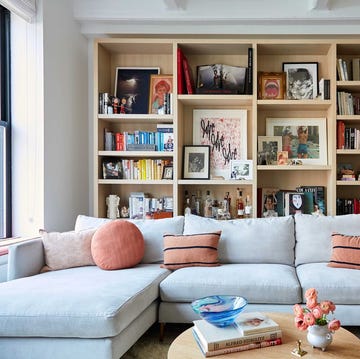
x=149 y=346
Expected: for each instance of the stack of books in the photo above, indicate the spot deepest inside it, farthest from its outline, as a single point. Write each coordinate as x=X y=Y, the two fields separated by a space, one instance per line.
x=250 y=331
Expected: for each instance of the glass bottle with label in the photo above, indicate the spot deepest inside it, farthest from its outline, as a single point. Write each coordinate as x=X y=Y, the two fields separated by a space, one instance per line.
x=240 y=204
x=208 y=205
x=248 y=207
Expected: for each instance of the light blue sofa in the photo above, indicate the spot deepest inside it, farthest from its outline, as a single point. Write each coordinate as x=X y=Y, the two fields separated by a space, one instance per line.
x=89 y=313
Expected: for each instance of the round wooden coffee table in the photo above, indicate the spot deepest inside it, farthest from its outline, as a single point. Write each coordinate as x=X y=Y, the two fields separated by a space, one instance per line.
x=345 y=345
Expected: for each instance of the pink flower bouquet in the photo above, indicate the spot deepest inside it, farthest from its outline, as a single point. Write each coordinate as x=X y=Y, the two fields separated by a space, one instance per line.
x=315 y=313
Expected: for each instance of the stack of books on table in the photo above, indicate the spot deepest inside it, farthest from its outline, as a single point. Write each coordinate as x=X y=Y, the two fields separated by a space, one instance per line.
x=250 y=331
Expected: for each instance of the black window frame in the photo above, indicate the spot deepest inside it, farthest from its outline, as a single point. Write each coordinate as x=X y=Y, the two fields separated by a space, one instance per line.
x=5 y=111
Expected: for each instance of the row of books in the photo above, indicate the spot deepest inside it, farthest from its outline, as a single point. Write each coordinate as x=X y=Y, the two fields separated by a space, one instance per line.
x=347 y=206
x=348 y=69
x=160 y=140
x=250 y=331
x=275 y=202
x=142 y=206
x=348 y=138
x=348 y=103
x=135 y=169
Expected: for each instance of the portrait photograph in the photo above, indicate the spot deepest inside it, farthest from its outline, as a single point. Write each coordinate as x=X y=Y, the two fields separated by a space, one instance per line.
x=160 y=87
x=268 y=147
x=196 y=162
x=241 y=170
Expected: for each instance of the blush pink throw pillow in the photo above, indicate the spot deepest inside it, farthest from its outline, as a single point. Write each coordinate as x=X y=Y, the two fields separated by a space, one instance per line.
x=117 y=244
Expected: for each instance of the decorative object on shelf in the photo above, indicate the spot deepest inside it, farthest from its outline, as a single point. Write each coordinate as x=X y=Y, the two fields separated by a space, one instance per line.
x=196 y=162
x=298 y=351
x=303 y=138
x=314 y=319
x=112 y=169
x=112 y=202
x=282 y=158
x=220 y=79
x=219 y=310
x=161 y=88
x=124 y=212
x=167 y=172
x=241 y=169
x=268 y=147
x=225 y=132
x=271 y=85
x=301 y=80
x=132 y=85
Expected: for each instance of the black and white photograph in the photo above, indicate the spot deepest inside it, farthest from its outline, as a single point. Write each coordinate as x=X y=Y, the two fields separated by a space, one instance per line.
x=268 y=147
x=196 y=163
x=301 y=80
x=241 y=169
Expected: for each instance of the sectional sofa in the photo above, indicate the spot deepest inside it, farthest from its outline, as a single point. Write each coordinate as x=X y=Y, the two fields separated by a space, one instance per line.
x=88 y=312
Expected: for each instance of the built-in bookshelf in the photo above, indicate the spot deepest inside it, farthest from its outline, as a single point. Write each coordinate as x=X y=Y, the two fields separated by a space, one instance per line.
x=268 y=55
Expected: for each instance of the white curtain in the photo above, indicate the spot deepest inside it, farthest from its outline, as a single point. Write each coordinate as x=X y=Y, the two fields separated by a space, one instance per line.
x=23 y=8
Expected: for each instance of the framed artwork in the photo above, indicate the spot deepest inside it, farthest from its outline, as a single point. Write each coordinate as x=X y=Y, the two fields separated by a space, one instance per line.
x=196 y=162
x=268 y=147
x=282 y=158
x=167 y=172
x=160 y=87
x=301 y=80
x=271 y=85
x=241 y=169
x=132 y=86
x=225 y=132
x=302 y=138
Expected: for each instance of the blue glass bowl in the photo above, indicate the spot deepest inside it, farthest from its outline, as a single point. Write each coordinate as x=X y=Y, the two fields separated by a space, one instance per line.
x=219 y=310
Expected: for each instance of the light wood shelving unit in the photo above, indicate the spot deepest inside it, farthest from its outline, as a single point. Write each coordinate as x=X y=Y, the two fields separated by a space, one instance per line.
x=268 y=56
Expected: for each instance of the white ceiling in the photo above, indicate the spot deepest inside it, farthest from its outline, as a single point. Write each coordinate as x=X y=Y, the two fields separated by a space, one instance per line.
x=218 y=16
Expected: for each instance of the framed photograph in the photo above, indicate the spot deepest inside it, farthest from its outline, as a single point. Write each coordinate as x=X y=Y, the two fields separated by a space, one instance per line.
x=161 y=86
x=220 y=78
x=167 y=172
x=269 y=146
x=196 y=162
x=241 y=169
x=301 y=80
x=132 y=87
x=225 y=131
x=282 y=158
x=302 y=138
x=271 y=85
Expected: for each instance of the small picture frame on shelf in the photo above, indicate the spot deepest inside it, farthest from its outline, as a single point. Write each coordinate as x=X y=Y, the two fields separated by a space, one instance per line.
x=271 y=85
x=301 y=80
x=241 y=170
x=161 y=86
x=282 y=158
x=132 y=86
x=167 y=172
x=302 y=138
x=112 y=169
x=268 y=147
x=196 y=162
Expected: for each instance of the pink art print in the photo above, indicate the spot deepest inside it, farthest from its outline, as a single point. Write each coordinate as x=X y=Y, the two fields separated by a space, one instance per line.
x=225 y=132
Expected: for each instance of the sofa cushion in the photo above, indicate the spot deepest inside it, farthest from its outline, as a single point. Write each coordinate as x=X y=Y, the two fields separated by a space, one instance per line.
x=258 y=283
x=313 y=235
x=261 y=240
x=83 y=302
x=345 y=251
x=340 y=285
x=152 y=230
x=192 y=250
x=67 y=249
x=117 y=244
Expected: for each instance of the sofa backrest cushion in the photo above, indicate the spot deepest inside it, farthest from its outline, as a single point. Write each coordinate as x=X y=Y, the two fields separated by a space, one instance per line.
x=255 y=240
x=152 y=230
x=117 y=245
x=313 y=235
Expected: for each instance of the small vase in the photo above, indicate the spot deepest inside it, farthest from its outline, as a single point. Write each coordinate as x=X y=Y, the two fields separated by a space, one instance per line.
x=319 y=336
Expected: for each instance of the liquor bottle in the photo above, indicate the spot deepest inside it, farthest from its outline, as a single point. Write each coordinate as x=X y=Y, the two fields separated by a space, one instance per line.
x=197 y=203
x=240 y=204
x=248 y=207
x=227 y=205
x=208 y=205
x=193 y=204
x=187 y=209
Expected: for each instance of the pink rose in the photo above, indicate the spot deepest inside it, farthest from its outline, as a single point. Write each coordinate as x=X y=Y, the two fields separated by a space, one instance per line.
x=334 y=325
x=300 y=323
x=317 y=312
x=332 y=306
x=298 y=311
x=311 y=293
x=311 y=303
x=309 y=319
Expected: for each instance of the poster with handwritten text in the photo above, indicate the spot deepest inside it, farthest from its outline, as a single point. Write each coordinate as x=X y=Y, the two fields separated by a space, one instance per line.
x=225 y=132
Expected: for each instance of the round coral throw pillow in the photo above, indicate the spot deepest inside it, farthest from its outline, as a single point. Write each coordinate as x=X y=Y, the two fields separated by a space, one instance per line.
x=117 y=244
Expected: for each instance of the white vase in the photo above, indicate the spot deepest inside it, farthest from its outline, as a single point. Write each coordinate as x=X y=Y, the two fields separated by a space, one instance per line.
x=319 y=336
x=113 y=201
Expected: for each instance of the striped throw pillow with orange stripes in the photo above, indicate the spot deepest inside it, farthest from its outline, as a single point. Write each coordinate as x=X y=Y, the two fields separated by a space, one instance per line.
x=191 y=250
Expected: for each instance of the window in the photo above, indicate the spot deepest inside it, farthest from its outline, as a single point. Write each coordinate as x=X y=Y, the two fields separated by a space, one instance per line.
x=5 y=123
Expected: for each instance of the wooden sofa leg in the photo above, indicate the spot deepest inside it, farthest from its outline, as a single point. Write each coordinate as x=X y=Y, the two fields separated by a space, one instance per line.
x=162 y=331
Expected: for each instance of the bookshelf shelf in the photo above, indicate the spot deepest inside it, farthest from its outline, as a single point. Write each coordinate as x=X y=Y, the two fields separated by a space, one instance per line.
x=141 y=154
x=134 y=182
x=238 y=183
x=294 y=105
x=348 y=183
x=293 y=168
